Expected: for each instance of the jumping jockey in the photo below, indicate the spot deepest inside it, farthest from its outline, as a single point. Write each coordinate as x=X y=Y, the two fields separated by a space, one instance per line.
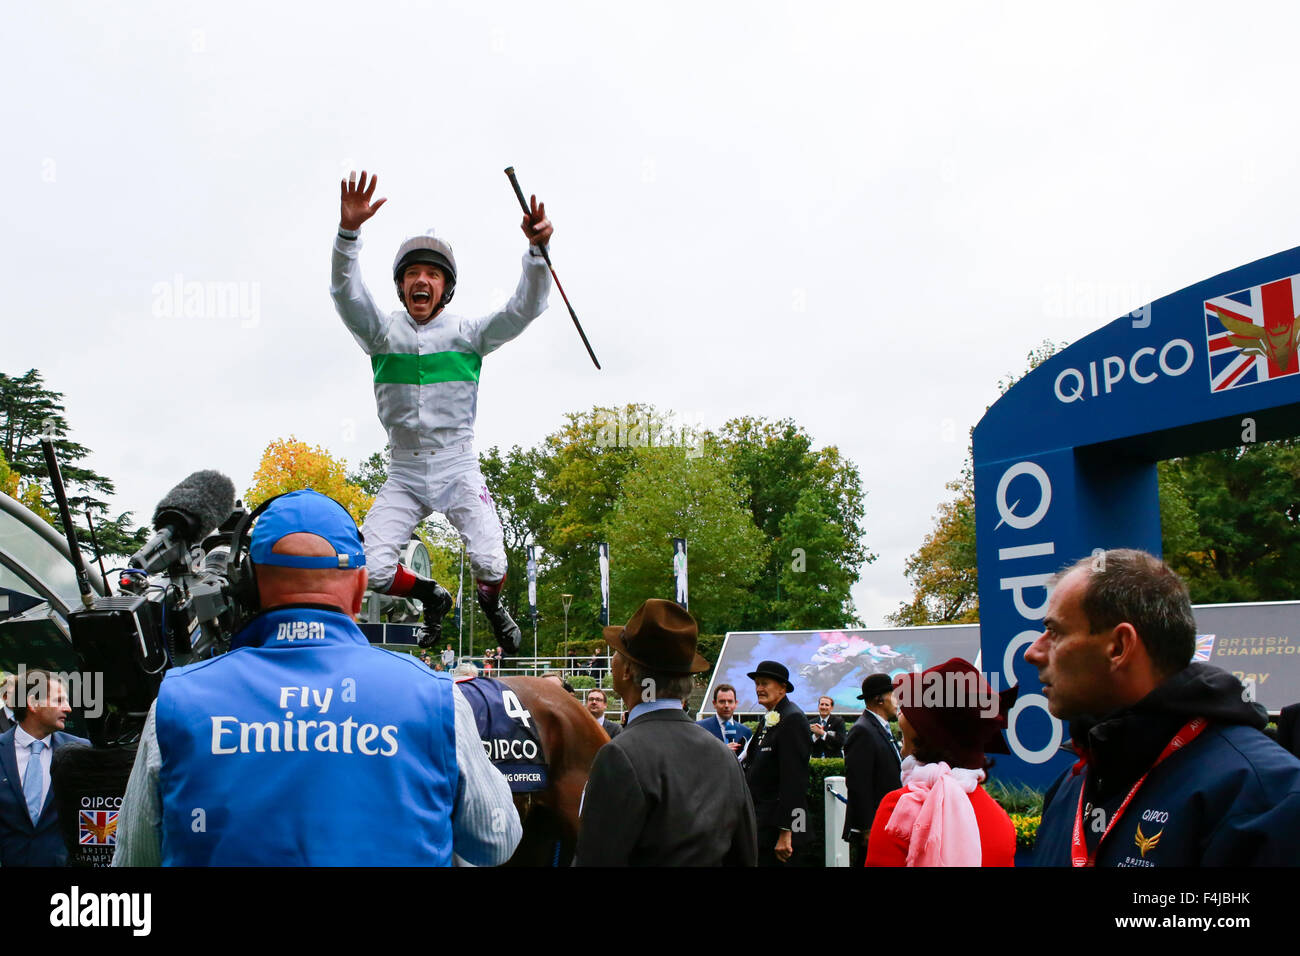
x=426 y=367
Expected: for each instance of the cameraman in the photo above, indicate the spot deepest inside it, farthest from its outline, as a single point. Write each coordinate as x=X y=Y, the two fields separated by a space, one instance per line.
x=305 y=746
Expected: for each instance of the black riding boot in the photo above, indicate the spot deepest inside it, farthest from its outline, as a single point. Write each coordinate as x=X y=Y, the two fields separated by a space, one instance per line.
x=504 y=629
x=436 y=601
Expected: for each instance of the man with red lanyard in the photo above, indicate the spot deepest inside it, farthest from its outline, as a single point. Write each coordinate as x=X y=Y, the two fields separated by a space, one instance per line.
x=1175 y=768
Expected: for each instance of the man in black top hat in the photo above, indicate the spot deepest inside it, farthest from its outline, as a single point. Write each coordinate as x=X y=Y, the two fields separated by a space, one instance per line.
x=661 y=793
x=776 y=767
x=871 y=763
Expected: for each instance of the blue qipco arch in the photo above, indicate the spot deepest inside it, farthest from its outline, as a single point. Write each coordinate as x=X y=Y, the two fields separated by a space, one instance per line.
x=1065 y=461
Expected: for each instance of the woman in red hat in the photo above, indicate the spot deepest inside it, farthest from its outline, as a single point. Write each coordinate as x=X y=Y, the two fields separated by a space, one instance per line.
x=950 y=718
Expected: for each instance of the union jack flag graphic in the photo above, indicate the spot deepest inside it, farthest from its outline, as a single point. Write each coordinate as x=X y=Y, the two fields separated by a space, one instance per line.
x=98 y=827
x=1251 y=334
x=1204 y=646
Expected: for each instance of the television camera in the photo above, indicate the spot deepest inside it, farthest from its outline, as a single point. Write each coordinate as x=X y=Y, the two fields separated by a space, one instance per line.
x=177 y=602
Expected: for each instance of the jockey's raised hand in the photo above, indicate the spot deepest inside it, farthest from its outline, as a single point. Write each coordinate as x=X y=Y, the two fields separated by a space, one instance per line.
x=355 y=206
x=536 y=226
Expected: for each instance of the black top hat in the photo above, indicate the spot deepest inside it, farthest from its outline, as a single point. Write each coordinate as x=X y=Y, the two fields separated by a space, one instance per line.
x=874 y=685
x=775 y=670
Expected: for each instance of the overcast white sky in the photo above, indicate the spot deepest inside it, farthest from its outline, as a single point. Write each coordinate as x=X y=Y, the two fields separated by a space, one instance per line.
x=858 y=215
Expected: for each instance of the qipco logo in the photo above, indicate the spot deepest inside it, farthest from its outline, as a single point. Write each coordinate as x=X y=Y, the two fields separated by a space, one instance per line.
x=1023 y=500
x=1142 y=368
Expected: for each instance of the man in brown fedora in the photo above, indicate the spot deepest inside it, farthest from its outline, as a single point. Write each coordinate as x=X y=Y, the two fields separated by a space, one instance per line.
x=662 y=793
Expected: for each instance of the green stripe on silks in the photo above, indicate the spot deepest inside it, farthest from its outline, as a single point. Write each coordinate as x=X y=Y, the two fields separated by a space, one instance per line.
x=395 y=369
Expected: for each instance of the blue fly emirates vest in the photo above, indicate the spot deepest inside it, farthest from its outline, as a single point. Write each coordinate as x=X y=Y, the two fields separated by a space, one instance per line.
x=305 y=746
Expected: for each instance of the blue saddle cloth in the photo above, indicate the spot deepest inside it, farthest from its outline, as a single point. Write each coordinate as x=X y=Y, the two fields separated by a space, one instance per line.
x=509 y=733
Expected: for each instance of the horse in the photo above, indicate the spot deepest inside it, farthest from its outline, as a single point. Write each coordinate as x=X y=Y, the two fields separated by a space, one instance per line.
x=570 y=739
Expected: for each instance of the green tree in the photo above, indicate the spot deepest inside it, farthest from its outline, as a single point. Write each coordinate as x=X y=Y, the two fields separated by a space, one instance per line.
x=513 y=479
x=371 y=474
x=670 y=495
x=581 y=469
x=591 y=477
x=117 y=535
x=1242 y=542
x=808 y=503
x=28 y=412
x=554 y=496
x=1179 y=526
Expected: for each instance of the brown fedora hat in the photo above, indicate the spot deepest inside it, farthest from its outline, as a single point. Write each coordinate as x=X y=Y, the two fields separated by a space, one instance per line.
x=661 y=637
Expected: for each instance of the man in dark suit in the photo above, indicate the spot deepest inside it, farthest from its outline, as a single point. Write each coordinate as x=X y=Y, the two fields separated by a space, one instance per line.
x=723 y=724
x=776 y=767
x=662 y=793
x=1288 y=728
x=596 y=705
x=827 y=731
x=871 y=763
x=29 y=819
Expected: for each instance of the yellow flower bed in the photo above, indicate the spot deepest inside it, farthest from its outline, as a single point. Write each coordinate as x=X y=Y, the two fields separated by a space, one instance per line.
x=1026 y=829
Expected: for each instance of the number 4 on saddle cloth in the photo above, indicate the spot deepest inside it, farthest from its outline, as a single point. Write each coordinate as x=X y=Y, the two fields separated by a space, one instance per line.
x=508 y=732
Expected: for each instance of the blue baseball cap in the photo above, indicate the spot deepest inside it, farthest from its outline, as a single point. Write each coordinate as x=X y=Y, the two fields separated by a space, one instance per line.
x=308 y=512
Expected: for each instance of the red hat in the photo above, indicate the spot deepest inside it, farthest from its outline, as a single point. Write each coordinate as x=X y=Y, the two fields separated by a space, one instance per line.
x=953 y=709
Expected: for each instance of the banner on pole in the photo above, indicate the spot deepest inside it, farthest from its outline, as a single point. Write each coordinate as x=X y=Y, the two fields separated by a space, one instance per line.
x=682 y=595
x=603 y=549
x=460 y=597
x=532 y=583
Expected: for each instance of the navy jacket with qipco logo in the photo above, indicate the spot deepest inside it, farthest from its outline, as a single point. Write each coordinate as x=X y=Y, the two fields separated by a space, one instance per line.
x=1231 y=797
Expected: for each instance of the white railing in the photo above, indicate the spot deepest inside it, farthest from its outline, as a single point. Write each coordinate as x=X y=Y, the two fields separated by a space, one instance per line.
x=536 y=666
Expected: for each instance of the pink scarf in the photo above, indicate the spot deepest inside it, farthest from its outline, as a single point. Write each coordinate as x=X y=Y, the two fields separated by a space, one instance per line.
x=935 y=815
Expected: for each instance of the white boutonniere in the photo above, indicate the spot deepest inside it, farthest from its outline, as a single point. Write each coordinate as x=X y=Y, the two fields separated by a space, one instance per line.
x=772 y=719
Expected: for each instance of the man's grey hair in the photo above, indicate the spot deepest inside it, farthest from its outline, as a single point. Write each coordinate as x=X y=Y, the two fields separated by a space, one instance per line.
x=465 y=669
x=660 y=686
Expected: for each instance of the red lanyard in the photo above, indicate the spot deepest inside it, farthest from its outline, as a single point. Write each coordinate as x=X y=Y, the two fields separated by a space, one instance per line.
x=1079 y=855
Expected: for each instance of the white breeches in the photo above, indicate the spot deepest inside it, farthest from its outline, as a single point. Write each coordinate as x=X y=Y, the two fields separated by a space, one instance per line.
x=422 y=482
